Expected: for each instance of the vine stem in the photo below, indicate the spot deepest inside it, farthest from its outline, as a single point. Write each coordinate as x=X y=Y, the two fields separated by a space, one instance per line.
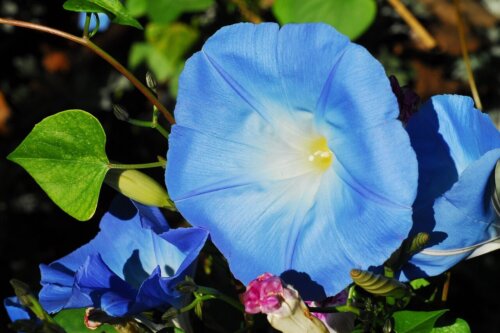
x=217 y=294
x=427 y=40
x=101 y=53
x=465 y=55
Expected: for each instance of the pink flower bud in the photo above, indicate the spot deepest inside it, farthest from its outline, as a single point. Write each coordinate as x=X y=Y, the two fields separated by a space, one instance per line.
x=285 y=309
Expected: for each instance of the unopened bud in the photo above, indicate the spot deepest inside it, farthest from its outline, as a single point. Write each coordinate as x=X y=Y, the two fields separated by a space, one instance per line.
x=285 y=309
x=151 y=81
x=120 y=113
x=139 y=187
x=418 y=242
x=378 y=284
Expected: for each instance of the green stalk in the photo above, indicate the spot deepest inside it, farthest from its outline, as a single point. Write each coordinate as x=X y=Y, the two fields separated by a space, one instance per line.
x=137 y=166
x=213 y=292
x=148 y=124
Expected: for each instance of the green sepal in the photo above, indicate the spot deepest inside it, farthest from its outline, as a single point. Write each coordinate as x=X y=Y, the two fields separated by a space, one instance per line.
x=65 y=154
x=113 y=8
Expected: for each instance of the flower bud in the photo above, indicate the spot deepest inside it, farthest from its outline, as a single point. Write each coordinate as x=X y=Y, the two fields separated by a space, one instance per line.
x=285 y=309
x=151 y=81
x=139 y=187
x=120 y=113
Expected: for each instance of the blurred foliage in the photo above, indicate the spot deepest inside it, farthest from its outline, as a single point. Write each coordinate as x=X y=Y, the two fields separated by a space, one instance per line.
x=166 y=42
x=352 y=18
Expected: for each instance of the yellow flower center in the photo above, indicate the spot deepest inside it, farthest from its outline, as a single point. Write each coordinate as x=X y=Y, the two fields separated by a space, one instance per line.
x=319 y=154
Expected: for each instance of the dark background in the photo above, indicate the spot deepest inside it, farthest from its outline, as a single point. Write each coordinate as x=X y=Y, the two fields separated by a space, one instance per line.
x=41 y=75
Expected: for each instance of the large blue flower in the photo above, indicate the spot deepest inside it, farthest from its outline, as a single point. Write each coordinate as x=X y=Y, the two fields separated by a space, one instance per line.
x=132 y=265
x=457 y=148
x=288 y=150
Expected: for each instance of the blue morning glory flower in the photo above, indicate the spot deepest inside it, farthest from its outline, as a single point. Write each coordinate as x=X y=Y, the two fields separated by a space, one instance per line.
x=457 y=148
x=132 y=265
x=287 y=148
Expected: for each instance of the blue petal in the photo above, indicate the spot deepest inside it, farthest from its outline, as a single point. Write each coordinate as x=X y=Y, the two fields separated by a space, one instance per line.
x=54 y=298
x=58 y=290
x=349 y=101
x=229 y=75
x=351 y=230
x=379 y=163
x=463 y=217
x=109 y=291
x=128 y=243
x=457 y=148
x=448 y=134
x=15 y=310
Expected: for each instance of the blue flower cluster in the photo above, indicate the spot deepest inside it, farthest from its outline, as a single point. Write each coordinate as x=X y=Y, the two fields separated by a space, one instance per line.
x=132 y=265
x=288 y=150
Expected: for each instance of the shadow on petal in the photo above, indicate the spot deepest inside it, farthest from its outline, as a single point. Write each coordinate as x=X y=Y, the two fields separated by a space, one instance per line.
x=302 y=282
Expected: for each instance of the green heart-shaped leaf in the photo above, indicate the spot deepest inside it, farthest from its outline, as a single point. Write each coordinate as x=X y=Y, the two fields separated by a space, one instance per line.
x=460 y=326
x=416 y=321
x=113 y=8
x=65 y=154
x=351 y=17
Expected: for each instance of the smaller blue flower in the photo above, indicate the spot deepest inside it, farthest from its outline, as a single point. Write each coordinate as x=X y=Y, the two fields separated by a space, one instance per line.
x=132 y=265
x=457 y=148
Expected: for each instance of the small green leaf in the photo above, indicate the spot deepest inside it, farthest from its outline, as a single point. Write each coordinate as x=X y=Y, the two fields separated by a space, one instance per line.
x=166 y=11
x=113 y=8
x=65 y=154
x=351 y=17
x=72 y=321
x=416 y=321
x=460 y=326
x=419 y=283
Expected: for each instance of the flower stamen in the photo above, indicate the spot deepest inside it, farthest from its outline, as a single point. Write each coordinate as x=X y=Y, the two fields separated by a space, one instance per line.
x=319 y=154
